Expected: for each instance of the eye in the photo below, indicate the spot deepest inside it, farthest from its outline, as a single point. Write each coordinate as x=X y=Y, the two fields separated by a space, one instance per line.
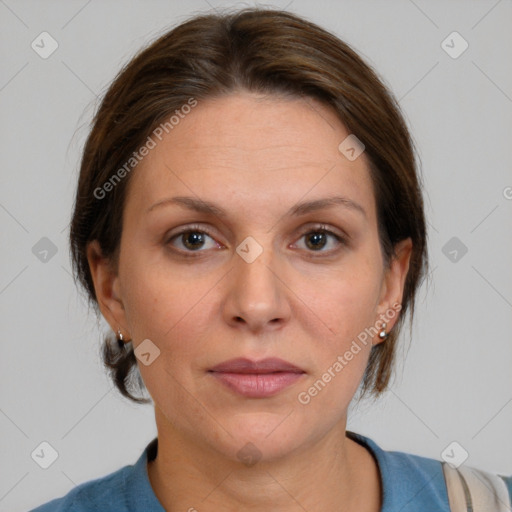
x=197 y=239
x=319 y=238
x=192 y=239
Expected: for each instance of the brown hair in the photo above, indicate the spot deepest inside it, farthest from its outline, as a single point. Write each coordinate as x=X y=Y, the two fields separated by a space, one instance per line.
x=258 y=50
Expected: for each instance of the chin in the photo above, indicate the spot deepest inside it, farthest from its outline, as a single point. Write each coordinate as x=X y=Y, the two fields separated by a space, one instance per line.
x=262 y=437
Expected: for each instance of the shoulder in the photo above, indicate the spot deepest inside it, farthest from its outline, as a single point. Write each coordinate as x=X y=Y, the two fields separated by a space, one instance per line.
x=409 y=481
x=95 y=494
x=125 y=490
x=508 y=483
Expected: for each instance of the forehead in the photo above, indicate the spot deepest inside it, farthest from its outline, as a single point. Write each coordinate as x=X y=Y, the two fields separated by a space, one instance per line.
x=248 y=147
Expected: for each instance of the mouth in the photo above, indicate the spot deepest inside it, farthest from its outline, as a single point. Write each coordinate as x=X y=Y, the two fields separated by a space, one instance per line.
x=256 y=379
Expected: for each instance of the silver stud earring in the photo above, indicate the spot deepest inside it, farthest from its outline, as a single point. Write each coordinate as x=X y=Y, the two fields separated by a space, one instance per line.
x=120 y=336
x=383 y=334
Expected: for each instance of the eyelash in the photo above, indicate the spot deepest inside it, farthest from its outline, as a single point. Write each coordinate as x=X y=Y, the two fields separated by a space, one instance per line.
x=320 y=228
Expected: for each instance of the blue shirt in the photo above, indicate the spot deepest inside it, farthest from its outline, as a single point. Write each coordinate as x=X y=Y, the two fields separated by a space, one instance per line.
x=410 y=483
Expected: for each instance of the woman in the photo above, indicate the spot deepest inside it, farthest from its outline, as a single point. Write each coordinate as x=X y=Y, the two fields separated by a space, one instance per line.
x=249 y=221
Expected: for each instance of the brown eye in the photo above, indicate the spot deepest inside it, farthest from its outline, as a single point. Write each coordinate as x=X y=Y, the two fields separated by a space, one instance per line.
x=316 y=240
x=322 y=240
x=192 y=240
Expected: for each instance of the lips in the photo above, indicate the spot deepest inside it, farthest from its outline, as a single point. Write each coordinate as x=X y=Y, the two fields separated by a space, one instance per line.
x=256 y=379
x=265 y=366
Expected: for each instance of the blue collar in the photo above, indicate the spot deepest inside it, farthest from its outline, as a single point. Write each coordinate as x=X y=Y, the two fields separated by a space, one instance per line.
x=409 y=482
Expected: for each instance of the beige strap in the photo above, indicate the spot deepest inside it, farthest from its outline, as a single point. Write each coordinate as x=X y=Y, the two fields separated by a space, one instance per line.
x=474 y=490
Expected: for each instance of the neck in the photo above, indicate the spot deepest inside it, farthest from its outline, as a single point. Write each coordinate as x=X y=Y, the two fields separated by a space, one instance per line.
x=335 y=474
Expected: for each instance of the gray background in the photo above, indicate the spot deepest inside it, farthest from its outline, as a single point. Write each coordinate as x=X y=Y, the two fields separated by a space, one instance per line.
x=456 y=383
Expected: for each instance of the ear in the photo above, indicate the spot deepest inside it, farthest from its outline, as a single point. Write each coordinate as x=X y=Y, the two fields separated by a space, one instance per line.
x=394 y=281
x=106 y=287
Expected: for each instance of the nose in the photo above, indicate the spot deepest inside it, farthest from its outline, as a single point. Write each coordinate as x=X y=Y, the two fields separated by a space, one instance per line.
x=257 y=297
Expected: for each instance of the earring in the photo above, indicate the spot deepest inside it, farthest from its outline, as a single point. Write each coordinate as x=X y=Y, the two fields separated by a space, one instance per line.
x=121 y=339
x=383 y=334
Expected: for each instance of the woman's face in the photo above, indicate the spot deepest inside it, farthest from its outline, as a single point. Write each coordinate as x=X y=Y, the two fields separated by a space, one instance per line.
x=269 y=270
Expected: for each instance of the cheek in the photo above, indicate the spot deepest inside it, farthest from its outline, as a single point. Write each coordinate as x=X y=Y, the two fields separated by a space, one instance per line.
x=174 y=314
x=348 y=305
x=148 y=289
x=171 y=308
x=348 y=298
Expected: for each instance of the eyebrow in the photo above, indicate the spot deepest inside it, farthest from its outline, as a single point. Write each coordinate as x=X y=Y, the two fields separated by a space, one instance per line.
x=202 y=206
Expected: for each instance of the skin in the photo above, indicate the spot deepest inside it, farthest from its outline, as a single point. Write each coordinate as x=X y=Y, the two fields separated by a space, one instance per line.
x=255 y=157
